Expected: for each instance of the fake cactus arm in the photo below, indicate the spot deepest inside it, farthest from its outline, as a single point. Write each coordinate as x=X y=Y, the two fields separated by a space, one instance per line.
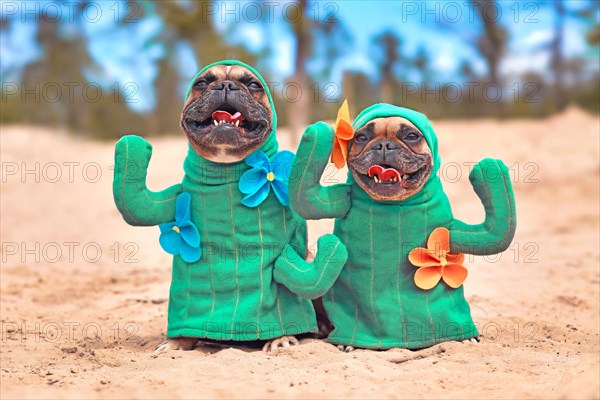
x=138 y=205
x=307 y=196
x=311 y=279
x=491 y=182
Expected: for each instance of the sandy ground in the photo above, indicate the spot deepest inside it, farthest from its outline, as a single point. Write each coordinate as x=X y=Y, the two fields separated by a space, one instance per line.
x=84 y=295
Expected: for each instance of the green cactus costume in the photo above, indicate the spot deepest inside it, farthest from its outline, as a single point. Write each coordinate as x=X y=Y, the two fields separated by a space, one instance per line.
x=251 y=282
x=375 y=302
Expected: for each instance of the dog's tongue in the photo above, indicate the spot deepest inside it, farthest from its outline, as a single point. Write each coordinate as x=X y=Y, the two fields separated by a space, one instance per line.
x=384 y=174
x=221 y=115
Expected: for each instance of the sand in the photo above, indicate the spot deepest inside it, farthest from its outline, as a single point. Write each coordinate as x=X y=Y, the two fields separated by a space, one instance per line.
x=84 y=295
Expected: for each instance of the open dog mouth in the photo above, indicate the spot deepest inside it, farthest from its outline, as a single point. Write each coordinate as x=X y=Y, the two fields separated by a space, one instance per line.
x=386 y=175
x=225 y=117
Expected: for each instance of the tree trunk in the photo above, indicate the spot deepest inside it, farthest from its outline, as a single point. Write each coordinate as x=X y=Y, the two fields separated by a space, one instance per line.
x=299 y=106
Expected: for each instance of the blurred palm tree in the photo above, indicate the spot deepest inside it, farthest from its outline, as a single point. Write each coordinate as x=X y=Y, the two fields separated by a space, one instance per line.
x=190 y=22
x=387 y=57
x=492 y=41
x=298 y=119
x=421 y=63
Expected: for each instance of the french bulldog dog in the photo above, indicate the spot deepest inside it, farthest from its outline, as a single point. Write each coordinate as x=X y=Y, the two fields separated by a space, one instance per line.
x=394 y=292
x=239 y=271
x=227 y=115
x=390 y=159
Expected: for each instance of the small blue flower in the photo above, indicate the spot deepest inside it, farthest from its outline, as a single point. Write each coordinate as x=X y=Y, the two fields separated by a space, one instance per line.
x=181 y=237
x=256 y=183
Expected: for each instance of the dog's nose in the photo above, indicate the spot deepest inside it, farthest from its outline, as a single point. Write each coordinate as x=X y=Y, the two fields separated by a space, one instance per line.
x=385 y=144
x=226 y=84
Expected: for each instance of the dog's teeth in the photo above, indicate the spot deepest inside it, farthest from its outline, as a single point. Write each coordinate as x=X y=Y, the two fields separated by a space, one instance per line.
x=376 y=179
x=215 y=122
x=237 y=123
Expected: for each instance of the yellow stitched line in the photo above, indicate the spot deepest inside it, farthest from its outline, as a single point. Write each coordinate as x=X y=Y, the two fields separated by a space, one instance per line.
x=426 y=292
x=187 y=293
x=237 y=293
x=147 y=193
x=123 y=182
x=212 y=286
x=310 y=267
x=303 y=311
x=450 y=294
x=316 y=192
x=322 y=271
x=355 y=322
x=279 y=312
x=373 y=275
x=304 y=174
x=429 y=312
x=351 y=288
x=398 y=278
x=510 y=218
x=452 y=297
x=332 y=302
x=260 y=270
x=284 y=225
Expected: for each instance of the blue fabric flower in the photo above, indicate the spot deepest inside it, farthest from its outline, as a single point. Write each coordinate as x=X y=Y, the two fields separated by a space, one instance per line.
x=256 y=183
x=181 y=237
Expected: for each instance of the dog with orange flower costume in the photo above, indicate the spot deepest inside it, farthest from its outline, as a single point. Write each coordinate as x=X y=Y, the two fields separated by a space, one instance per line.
x=402 y=285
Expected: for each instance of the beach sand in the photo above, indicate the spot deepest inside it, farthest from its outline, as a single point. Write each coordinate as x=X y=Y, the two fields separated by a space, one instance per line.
x=84 y=295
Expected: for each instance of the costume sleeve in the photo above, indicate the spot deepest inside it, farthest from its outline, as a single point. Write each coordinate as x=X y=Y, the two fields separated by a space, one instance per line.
x=311 y=280
x=491 y=182
x=307 y=196
x=138 y=205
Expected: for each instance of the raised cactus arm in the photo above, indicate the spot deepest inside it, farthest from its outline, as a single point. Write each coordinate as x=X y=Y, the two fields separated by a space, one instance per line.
x=307 y=196
x=311 y=280
x=138 y=205
x=491 y=182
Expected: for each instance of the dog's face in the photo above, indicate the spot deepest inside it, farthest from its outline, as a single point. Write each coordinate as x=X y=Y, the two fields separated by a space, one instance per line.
x=227 y=114
x=390 y=158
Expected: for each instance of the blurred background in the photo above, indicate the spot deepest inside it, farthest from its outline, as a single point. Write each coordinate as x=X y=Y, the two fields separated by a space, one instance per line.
x=107 y=68
x=512 y=80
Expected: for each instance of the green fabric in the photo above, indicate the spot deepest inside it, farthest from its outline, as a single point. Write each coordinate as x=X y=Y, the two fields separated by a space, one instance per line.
x=252 y=281
x=375 y=302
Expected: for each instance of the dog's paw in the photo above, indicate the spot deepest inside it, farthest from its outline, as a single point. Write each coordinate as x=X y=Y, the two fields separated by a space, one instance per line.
x=280 y=343
x=345 y=349
x=471 y=340
x=183 y=343
x=323 y=329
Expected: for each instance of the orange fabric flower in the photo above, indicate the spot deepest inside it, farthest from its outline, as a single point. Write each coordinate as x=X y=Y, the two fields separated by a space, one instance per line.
x=436 y=262
x=343 y=134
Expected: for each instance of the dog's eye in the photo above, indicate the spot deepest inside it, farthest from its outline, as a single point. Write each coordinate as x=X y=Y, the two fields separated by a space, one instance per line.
x=361 y=138
x=412 y=136
x=254 y=86
x=201 y=84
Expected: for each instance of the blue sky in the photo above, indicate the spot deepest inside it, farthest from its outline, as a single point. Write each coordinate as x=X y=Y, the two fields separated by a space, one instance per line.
x=129 y=52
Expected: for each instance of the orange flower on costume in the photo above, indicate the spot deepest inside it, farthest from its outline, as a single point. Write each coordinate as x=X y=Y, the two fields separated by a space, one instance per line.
x=436 y=262
x=343 y=134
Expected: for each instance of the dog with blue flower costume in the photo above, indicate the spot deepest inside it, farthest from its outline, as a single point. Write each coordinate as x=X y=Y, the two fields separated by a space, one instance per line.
x=239 y=270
